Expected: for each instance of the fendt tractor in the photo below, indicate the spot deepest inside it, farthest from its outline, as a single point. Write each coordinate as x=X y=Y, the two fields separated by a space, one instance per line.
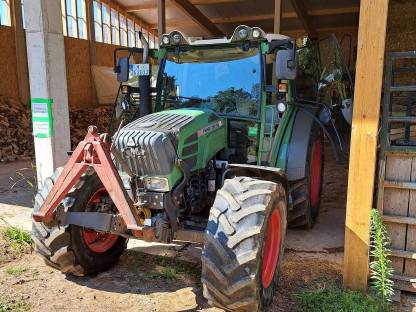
x=209 y=143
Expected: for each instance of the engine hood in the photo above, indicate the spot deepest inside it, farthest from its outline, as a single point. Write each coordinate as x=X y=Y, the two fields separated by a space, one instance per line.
x=151 y=144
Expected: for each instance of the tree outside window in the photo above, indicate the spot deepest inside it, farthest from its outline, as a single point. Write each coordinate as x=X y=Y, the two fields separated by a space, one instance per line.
x=98 y=23
x=5 y=19
x=137 y=30
x=123 y=31
x=131 y=37
x=105 y=10
x=115 y=27
x=82 y=19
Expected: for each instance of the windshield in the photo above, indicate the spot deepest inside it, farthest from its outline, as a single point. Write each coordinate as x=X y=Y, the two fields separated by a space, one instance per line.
x=225 y=80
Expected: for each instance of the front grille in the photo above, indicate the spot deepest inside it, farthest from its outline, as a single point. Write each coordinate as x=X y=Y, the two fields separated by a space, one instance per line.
x=148 y=144
x=146 y=152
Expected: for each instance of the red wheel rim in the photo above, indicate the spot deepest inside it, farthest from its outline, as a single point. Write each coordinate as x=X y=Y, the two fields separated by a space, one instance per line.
x=96 y=241
x=271 y=249
x=316 y=172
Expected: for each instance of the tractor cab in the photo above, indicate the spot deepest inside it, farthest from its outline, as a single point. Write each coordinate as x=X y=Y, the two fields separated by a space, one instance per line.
x=229 y=78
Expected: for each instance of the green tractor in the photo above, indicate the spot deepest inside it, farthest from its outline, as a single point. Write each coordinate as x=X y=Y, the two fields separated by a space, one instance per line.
x=211 y=147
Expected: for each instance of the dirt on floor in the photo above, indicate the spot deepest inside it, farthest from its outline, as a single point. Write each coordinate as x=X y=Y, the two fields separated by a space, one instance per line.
x=144 y=280
x=140 y=281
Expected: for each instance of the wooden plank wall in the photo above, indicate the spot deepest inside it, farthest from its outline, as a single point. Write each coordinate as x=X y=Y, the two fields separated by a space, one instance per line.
x=399 y=212
x=396 y=203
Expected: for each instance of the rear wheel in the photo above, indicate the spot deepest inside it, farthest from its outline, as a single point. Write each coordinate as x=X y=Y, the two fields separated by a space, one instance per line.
x=70 y=248
x=306 y=193
x=244 y=244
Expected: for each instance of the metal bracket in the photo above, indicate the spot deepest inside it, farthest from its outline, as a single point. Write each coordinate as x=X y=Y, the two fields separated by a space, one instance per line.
x=93 y=151
x=93 y=220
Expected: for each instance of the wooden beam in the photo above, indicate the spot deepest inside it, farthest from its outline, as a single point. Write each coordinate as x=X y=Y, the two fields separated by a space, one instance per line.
x=303 y=16
x=161 y=17
x=92 y=48
x=219 y=20
x=149 y=6
x=196 y=15
x=21 y=53
x=363 y=156
x=260 y=17
x=277 y=17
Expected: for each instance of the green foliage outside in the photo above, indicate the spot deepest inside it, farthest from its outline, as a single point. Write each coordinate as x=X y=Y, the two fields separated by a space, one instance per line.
x=380 y=265
x=13 y=305
x=331 y=298
x=166 y=273
x=19 y=239
x=15 y=270
x=334 y=299
x=25 y=178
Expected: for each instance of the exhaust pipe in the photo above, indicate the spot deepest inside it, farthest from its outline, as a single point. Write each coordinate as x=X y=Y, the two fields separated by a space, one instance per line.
x=144 y=82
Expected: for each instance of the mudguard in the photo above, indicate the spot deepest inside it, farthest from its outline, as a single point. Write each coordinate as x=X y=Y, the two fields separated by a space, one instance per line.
x=267 y=173
x=298 y=146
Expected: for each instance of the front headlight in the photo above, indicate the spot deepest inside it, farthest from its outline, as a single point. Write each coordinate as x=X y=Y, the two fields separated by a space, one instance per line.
x=157 y=184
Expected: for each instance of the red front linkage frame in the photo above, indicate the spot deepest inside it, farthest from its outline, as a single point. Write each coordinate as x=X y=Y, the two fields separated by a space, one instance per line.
x=93 y=151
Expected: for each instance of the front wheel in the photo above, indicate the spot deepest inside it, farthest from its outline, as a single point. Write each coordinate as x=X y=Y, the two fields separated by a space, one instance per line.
x=244 y=242
x=70 y=248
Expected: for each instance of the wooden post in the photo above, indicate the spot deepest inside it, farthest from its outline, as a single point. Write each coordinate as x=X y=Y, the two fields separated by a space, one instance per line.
x=21 y=53
x=367 y=101
x=277 y=16
x=93 y=49
x=161 y=18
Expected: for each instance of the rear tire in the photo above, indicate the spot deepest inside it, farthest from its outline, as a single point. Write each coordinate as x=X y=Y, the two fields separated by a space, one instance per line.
x=239 y=273
x=65 y=247
x=306 y=193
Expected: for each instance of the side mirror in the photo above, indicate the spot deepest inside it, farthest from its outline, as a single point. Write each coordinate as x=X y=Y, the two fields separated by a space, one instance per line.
x=122 y=69
x=286 y=63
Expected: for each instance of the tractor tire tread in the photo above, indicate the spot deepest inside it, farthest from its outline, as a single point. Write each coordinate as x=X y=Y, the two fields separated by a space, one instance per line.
x=53 y=243
x=232 y=243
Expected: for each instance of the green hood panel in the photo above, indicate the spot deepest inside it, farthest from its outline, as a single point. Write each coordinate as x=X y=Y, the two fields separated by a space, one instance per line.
x=151 y=143
x=201 y=139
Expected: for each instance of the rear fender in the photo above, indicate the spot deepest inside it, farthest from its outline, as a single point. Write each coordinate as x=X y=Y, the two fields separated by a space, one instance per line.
x=262 y=172
x=298 y=146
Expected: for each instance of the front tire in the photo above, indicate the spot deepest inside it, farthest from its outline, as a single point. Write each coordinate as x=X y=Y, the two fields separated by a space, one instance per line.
x=73 y=249
x=244 y=244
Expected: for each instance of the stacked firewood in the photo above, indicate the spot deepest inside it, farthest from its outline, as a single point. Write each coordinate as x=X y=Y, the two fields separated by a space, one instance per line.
x=81 y=119
x=16 y=140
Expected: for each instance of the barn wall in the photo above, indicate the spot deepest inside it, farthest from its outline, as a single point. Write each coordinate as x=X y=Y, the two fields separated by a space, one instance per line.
x=78 y=67
x=401 y=28
x=8 y=63
x=77 y=57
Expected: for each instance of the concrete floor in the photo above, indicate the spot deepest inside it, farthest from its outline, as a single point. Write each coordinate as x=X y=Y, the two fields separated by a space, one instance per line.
x=326 y=239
